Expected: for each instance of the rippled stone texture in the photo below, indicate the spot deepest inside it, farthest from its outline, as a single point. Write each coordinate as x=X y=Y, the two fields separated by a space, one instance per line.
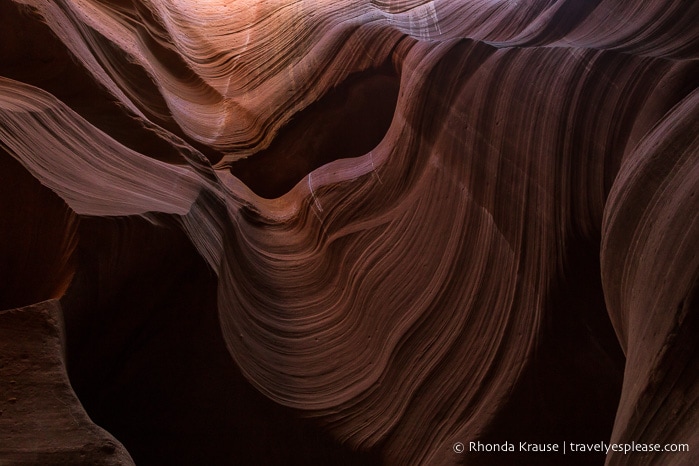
x=357 y=232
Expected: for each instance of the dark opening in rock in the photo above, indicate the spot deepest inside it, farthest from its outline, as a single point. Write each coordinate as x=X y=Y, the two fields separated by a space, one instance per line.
x=348 y=121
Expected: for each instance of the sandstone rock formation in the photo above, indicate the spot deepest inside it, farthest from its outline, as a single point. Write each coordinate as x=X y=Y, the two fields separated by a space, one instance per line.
x=356 y=232
x=41 y=419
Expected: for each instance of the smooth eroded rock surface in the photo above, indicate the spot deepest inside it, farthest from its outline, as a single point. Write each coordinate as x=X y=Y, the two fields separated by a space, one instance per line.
x=41 y=418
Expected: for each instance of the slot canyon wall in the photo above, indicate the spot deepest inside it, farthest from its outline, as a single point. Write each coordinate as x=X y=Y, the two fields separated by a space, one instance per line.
x=348 y=232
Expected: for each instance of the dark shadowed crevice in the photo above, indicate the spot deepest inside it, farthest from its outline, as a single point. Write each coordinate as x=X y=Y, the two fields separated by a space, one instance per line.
x=349 y=121
x=37 y=238
x=147 y=359
x=570 y=391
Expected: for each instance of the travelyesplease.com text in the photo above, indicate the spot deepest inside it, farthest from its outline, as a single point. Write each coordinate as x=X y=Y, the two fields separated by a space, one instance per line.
x=569 y=447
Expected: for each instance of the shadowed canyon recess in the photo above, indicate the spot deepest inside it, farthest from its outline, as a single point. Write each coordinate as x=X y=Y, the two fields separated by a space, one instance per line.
x=349 y=121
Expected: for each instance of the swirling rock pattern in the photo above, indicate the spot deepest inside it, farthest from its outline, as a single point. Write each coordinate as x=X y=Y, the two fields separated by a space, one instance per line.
x=382 y=226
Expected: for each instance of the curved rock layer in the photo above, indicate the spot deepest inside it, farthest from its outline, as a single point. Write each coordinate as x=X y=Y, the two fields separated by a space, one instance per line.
x=383 y=226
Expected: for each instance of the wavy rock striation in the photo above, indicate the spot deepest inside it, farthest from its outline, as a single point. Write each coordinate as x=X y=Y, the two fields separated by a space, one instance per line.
x=361 y=231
